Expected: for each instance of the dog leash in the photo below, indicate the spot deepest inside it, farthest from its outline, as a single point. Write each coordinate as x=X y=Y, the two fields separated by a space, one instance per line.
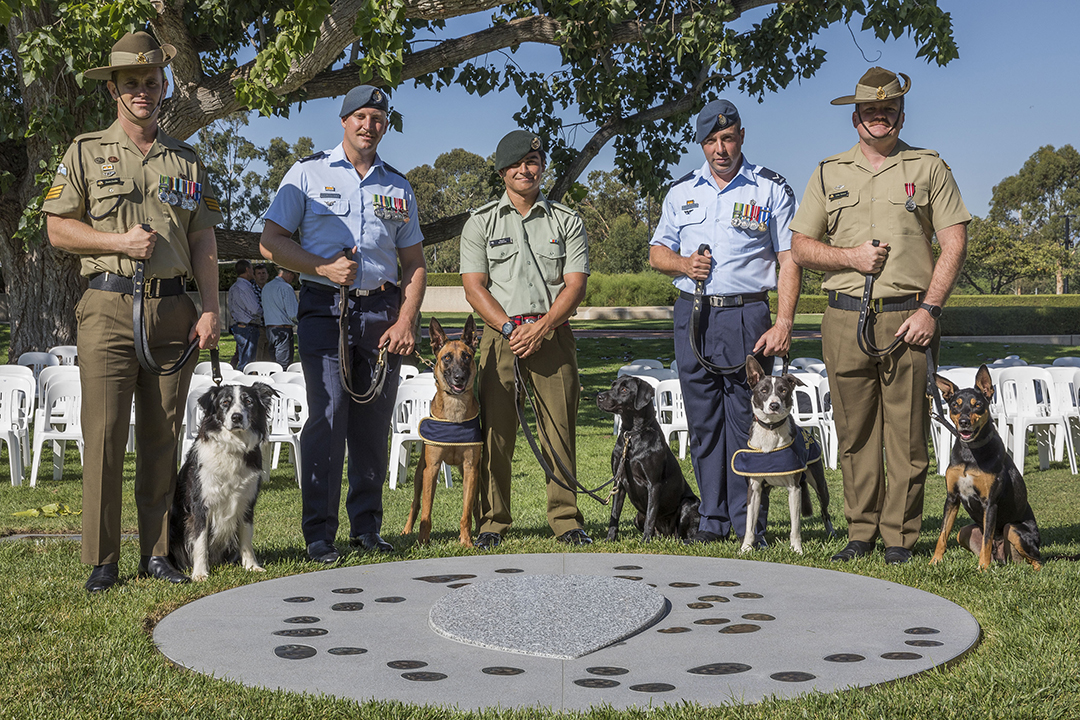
x=378 y=378
x=695 y=318
x=142 y=345
x=866 y=343
x=932 y=392
x=521 y=393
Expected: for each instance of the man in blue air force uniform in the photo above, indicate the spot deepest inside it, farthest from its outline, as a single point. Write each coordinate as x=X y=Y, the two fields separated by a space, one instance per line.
x=348 y=199
x=741 y=212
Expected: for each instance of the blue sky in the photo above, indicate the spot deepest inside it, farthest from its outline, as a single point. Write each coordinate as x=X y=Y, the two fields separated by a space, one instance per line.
x=1014 y=88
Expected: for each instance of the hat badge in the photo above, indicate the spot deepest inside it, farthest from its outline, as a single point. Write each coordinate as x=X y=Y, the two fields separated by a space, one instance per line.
x=535 y=143
x=376 y=96
x=881 y=94
x=141 y=59
x=721 y=121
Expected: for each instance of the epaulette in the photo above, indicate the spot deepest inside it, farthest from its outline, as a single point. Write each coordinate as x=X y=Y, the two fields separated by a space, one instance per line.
x=561 y=206
x=391 y=168
x=683 y=179
x=776 y=178
x=486 y=206
x=314 y=156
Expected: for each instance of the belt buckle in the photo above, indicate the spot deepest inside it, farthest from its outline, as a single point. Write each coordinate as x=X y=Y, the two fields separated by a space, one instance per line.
x=152 y=287
x=877 y=304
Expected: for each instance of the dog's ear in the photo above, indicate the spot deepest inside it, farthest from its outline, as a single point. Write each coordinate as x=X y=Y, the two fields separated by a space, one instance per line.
x=264 y=392
x=468 y=335
x=984 y=383
x=794 y=379
x=754 y=373
x=644 y=395
x=209 y=398
x=946 y=386
x=436 y=335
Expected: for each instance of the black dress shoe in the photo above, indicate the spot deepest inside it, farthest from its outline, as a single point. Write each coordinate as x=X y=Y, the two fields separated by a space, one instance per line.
x=703 y=537
x=102 y=577
x=158 y=566
x=487 y=541
x=577 y=536
x=323 y=552
x=897 y=555
x=371 y=542
x=854 y=549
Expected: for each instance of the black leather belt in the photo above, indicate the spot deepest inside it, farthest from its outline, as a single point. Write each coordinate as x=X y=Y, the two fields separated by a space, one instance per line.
x=152 y=288
x=142 y=346
x=729 y=301
x=839 y=301
x=352 y=292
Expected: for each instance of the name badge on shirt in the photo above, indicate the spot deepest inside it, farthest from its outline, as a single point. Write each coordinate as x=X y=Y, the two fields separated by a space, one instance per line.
x=838 y=195
x=500 y=241
x=689 y=206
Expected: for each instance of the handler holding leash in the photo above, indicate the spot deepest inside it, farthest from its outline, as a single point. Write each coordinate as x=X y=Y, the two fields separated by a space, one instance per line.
x=357 y=219
x=135 y=203
x=880 y=203
x=739 y=212
x=525 y=265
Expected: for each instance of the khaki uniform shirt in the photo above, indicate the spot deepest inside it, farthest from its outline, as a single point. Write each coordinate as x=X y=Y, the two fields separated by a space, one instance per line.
x=851 y=203
x=524 y=258
x=105 y=181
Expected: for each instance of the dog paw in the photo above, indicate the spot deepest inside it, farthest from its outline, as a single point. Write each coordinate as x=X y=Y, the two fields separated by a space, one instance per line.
x=254 y=567
x=746 y=547
x=797 y=549
x=200 y=576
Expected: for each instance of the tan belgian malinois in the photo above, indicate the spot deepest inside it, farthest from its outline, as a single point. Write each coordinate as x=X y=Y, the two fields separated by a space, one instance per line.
x=452 y=432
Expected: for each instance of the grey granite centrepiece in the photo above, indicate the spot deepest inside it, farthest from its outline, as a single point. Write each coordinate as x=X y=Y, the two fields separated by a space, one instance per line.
x=731 y=631
x=552 y=616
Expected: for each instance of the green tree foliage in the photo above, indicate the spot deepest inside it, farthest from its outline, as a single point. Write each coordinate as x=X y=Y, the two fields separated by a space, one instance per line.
x=618 y=221
x=626 y=65
x=227 y=154
x=279 y=156
x=460 y=181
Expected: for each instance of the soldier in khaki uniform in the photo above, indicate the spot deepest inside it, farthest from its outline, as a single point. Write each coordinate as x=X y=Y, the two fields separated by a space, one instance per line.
x=881 y=189
x=524 y=265
x=130 y=193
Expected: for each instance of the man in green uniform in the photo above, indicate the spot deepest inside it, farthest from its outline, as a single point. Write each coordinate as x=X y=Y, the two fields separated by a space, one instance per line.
x=126 y=194
x=881 y=190
x=525 y=265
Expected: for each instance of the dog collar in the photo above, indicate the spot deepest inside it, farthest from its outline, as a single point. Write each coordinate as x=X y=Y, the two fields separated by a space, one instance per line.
x=444 y=433
x=771 y=426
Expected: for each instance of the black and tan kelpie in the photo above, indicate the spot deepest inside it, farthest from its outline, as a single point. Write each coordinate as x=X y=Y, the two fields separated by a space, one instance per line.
x=982 y=477
x=452 y=432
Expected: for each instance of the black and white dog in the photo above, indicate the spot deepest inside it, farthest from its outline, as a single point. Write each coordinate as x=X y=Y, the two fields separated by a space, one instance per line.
x=214 y=506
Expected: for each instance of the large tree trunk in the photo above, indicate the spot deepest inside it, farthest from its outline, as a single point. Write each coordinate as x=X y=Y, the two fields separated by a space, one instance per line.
x=43 y=287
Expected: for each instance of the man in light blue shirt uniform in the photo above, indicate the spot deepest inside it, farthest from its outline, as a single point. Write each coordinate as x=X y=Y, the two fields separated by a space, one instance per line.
x=741 y=212
x=279 y=314
x=347 y=200
x=245 y=310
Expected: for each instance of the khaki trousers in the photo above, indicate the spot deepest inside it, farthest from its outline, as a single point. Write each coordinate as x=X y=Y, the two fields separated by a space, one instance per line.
x=879 y=403
x=111 y=375
x=552 y=373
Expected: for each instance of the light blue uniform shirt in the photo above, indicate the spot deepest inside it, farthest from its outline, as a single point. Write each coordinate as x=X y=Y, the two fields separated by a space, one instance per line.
x=334 y=208
x=279 y=303
x=697 y=211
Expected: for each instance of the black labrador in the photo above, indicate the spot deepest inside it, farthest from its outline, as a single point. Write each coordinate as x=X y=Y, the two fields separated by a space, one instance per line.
x=644 y=467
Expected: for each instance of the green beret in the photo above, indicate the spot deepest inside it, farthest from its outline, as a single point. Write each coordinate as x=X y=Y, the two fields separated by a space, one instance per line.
x=515 y=146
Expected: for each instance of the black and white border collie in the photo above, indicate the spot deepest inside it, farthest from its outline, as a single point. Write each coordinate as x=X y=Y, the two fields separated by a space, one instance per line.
x=213 y=509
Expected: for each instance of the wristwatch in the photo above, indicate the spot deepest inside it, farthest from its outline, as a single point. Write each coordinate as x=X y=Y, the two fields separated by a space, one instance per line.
x=508 y=328
x=934 y=310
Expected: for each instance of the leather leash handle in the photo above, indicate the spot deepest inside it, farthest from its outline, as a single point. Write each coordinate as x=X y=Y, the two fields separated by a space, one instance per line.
x=142 y=345
x=866 y=343
x=695 y=318
x=378 y=378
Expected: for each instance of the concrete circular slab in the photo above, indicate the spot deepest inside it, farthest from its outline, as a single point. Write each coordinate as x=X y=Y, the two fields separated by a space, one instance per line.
x=735 y=631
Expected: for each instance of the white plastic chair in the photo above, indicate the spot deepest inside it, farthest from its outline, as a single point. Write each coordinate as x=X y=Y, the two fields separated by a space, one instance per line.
x=67 y=354
x=1029 y=404
x=645 y=363
x=806 y=407
x=288 y=414
x=1067 y=361
x=228 y=372
x=16 y=407
x=295 y=367
x=189 y=429
x=49 y=375
x=265 y=368
x=61 y=405
x=292 y=378
x=1010 y=361
x=671 y=414
x=830 y=448
x=38 y=360
x=801 y=363
x=407 y=371
x=1065 y=392
x=412 y=404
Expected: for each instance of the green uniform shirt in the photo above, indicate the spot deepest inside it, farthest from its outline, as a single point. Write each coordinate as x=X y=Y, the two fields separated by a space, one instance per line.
x=105 y=181
x=851 y=203
x=524 y=258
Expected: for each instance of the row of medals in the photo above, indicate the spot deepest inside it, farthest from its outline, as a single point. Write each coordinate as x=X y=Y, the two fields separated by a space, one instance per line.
x=750 y=217
x=181 y=193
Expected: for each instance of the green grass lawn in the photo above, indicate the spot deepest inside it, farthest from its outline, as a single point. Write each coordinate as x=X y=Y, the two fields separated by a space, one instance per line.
x=64 y=654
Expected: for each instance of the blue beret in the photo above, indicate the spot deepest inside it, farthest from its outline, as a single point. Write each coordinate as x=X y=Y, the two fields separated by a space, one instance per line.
x=514 y=146
x=363 y=96
x=717 y=115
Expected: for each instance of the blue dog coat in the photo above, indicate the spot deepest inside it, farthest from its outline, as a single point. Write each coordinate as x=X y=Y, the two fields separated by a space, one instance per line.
x=791 y=458
x=445 y=433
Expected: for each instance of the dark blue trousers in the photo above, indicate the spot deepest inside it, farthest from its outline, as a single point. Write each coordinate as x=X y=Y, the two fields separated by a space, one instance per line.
x=335 y=420
x=718 y=408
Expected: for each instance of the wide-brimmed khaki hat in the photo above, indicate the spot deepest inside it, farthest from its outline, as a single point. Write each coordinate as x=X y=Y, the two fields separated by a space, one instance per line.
x=875 y=85
x=134 y=50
